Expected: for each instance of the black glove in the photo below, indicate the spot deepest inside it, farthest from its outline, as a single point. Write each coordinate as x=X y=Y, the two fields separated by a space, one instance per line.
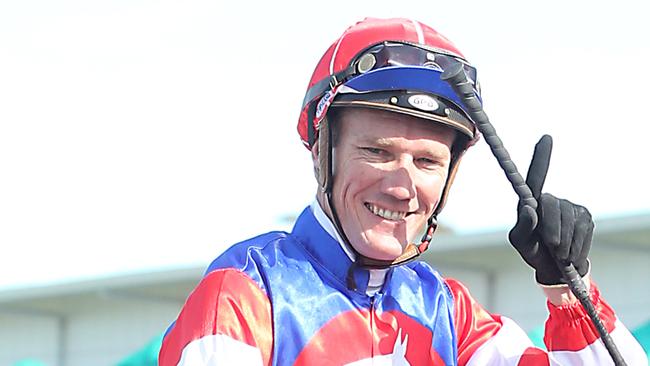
x=557 y=229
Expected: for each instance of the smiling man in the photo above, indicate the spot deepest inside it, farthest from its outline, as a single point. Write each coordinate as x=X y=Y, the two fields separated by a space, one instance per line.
x=390 y=172
x=386 y=136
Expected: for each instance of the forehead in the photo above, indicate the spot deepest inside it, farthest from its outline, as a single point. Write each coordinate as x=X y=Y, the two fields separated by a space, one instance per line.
x=373 y=124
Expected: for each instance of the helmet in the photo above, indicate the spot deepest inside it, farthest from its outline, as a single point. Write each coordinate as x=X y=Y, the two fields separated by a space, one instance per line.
x=381 y=55
x=394 y=65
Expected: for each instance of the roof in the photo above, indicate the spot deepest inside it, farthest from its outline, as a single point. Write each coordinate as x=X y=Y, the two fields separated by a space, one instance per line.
x=162 y=285
x=621 y=233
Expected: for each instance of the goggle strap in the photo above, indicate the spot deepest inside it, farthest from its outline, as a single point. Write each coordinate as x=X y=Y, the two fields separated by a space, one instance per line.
x=318 y=89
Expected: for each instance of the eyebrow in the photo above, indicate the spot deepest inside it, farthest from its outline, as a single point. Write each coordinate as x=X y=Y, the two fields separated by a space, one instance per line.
x=383 y=142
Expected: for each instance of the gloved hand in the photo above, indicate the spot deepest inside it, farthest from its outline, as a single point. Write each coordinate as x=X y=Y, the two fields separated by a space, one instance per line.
x=558 y=228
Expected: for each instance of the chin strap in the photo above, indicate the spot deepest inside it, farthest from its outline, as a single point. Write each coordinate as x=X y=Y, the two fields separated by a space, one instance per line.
x=411 y=251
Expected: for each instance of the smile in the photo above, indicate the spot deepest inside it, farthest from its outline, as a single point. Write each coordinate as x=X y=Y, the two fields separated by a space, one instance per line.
x=385 y=213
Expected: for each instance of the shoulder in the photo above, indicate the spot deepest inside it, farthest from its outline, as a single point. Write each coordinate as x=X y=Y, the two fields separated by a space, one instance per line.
x=229 y=284
x=465 y=305
x=422 y=271
x=458 y=290
x=234 y=284
x=211 y=319
x=257 y=248
x=422 y=278
x=255 y=256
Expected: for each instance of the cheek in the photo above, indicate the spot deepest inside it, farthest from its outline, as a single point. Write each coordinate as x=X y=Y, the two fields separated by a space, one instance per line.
x=355 y=179
x=432 y=191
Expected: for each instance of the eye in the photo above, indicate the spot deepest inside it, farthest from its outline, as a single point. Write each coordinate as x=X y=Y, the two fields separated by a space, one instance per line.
x=429 y=163
x=375 y=154
x=373 y=150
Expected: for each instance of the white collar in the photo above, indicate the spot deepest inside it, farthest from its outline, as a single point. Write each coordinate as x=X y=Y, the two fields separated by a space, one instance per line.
x=377 y=276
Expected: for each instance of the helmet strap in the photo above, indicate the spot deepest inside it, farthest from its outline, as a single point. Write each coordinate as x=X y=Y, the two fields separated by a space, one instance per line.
x=325 y=157
x=458 y=150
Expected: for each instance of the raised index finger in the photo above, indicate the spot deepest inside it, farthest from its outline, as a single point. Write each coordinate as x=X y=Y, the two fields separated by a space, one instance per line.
x=539 y=165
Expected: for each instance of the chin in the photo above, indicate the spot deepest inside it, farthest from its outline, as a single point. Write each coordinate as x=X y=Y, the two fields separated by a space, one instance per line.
x=384 y=250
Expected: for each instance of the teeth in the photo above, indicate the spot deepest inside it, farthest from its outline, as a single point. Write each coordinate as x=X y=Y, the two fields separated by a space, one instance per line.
x=386 y=214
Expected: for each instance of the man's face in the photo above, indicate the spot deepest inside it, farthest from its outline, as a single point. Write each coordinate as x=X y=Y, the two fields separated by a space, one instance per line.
x=389 y=172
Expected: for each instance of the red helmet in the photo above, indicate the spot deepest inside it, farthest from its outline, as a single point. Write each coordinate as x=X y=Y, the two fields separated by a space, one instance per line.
x=378 y=55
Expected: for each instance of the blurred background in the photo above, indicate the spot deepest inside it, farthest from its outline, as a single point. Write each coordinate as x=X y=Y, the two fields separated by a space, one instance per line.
x=141 y=138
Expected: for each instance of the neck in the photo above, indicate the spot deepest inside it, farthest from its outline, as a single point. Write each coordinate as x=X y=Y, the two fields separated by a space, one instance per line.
x=324 y=217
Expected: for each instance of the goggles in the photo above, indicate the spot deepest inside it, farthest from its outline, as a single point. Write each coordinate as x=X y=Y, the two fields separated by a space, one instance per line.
x=398 y=55
x=406 y=54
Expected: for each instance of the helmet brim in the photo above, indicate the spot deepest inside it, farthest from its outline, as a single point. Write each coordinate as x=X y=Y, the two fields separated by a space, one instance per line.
x=415 y=91
x=374 y=101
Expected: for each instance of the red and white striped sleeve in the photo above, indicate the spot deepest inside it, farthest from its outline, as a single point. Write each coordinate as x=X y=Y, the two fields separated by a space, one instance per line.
x=572 y=339
x=225 y=321
x=488 y=339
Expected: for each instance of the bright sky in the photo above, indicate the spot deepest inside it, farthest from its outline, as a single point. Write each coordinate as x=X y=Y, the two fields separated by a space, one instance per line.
x=143 y=134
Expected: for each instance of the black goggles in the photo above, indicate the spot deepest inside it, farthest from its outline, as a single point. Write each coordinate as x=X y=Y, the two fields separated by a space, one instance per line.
x=408 y=54
x=393 y=53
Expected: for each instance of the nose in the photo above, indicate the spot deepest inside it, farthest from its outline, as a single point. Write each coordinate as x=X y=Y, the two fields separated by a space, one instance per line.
x=399 y=182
